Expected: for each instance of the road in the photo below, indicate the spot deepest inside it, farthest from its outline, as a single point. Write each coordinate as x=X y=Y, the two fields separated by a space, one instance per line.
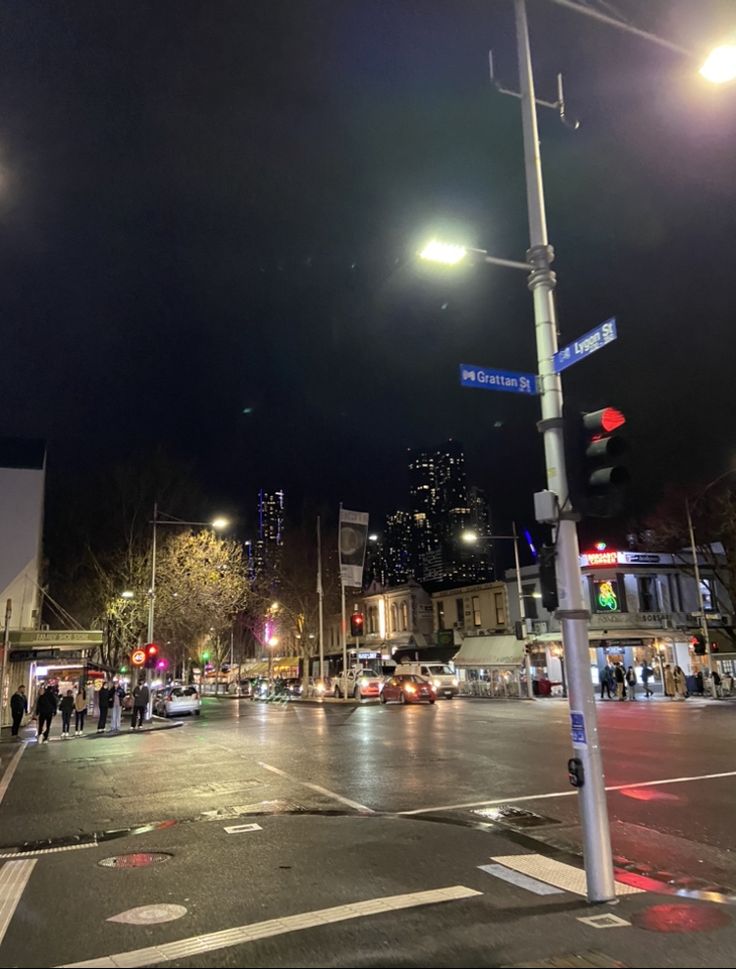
x=357 y=804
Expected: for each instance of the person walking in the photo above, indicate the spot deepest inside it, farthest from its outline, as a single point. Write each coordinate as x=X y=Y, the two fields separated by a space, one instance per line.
x=631 y=681
x=716 y=683
x=620 y=677
x=18 y=708
x=103 y=700
x=646 y=675
x=80 y=710
x=45 y=713
x=67 y=708
x=141 y=696
x=680 y=685
x=606 y=682
x=116 y=706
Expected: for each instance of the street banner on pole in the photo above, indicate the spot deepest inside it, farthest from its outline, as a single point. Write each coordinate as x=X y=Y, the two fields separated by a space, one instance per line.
x=353 y=541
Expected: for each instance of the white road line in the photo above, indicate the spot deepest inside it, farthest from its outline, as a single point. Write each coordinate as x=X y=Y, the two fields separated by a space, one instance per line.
x=13 y=879
x=567 y=877
x=196 y=944
x=47 y=851
x=542 y=797
x=242 y=828
x=318 y=789
x=10 y=770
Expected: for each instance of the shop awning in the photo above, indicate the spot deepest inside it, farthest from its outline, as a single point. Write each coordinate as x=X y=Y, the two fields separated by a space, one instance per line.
x=484 y=652
x=596 y=636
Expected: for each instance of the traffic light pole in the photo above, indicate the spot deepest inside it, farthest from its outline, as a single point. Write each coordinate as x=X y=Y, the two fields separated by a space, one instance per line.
x=572 y=611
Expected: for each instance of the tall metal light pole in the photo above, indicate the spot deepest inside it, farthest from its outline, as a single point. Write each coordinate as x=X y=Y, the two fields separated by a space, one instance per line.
x=572 y=612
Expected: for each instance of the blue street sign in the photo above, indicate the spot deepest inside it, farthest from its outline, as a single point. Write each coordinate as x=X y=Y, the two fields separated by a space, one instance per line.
x=585 y=345
x=484 y=378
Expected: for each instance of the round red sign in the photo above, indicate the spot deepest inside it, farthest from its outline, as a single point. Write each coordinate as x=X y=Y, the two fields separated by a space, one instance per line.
x=138 y=657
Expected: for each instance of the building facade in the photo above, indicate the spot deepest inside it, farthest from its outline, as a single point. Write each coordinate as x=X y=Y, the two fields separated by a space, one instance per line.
x=269 y=543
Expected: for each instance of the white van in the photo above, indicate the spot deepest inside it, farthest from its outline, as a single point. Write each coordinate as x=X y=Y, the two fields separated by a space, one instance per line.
x=440 y=675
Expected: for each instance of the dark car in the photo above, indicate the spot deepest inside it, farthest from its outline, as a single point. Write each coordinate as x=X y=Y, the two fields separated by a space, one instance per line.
x=408 y=688
x=294 y=686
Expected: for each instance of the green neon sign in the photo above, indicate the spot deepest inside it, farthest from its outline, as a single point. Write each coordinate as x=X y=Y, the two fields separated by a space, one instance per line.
x=607 y=597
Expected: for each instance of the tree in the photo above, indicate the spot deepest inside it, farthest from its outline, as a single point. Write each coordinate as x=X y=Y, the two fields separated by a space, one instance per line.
x=201 y=587
x=713 y=513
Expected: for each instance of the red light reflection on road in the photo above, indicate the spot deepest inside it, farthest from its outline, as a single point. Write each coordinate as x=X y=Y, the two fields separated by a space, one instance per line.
x=681 y=918
x=648 y=794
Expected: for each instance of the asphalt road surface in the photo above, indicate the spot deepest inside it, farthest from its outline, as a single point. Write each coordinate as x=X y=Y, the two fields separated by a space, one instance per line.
x=254 y=817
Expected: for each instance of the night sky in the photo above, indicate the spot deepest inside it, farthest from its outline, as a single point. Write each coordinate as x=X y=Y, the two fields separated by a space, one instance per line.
x=210 y=213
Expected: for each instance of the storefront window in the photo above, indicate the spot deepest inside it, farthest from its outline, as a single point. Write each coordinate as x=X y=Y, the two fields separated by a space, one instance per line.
x=440 y=615
x=460 y=611
x=500 y=609
x=707 y=595
x=648 y=593
x=476 y=610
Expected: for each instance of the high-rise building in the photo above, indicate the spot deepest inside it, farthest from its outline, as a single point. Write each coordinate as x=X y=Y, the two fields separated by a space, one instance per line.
x=267 y=553
x=399 y=548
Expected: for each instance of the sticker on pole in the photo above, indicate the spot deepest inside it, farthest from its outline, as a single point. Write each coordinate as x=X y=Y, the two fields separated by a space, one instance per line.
x=577 y=724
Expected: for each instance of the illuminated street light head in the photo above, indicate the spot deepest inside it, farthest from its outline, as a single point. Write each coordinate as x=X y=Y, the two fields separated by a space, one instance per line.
x=220 y=523
x=720 y=65
x=442 y=252
x=470 y=537
x=127 y=594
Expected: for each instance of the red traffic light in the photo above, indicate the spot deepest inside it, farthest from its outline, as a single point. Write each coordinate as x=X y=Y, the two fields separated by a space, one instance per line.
x=151 y=650
x=611 y=418
x=358 y=619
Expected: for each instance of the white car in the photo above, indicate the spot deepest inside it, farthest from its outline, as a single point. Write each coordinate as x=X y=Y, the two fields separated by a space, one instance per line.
x=442 y=677
x=177 y=699
x=358 y=683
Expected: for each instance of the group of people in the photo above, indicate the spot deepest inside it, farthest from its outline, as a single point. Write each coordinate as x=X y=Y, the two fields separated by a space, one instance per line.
x=620 y=683
x=109 y=700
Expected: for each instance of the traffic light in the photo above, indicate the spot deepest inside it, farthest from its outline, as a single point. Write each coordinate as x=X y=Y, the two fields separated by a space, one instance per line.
x=599 y=486
x=151 y=656
x=697 y=641
x=356 y=624
x=548 y=578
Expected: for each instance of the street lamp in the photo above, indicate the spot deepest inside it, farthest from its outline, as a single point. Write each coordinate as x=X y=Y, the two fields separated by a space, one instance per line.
x=127 y=594
x=720 y=65
x=471 y=538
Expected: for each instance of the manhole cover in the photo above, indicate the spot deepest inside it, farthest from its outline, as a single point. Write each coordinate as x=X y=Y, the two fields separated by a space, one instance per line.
x=515 y=817
x=681 y=918
x=135 y=859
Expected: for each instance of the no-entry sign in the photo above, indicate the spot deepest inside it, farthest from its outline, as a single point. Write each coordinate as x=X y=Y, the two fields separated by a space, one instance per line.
x=138 y=657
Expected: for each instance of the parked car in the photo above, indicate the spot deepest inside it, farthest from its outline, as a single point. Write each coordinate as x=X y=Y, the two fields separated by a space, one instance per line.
x=294 y=686
x=359 y=683
x=259 y=688
x=408 y=688
x=177 y=699
x=324 y=687
x=440 y=675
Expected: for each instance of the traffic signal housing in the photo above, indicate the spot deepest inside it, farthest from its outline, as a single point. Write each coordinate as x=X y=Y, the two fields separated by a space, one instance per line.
x=151 y=656
x=548 y=578
x=356 y=624
x=698 y=643
x=599 y=476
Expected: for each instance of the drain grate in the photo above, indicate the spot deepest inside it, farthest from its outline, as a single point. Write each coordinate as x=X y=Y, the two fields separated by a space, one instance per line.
x=515 y=817
x=135 y=859
x=586 y=960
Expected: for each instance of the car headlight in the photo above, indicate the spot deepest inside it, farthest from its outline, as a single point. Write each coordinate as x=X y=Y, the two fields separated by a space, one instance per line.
x=410 y=689
x=436 y=684
x=456 y=682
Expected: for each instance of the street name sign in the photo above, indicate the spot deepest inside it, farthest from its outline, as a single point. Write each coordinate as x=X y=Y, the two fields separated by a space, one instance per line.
x=586 y=344
x=486 y=378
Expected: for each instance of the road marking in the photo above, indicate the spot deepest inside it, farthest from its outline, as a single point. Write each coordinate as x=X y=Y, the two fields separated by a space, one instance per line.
x=196 y=944
x=13 y=880
x=522 y=881
x=320 y=790
x=10 y=770
x=557 y=873
x=242 y=828
x=47 y=851
x=570 y=793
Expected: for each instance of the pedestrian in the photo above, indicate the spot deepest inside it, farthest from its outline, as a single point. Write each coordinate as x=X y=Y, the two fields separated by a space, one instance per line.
x=646 y=674
x=680 y=687
x=669 y=681
x=716 y=683
x=80 y=708
x=67 y=707
x=103 y=700
x=606 y=682
x=141 y=696
x=631 y=680
x=620 y=677
x=727 y=684
x=116 y=706
x=18 y=708
x=699 y=683
x=45 y=713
